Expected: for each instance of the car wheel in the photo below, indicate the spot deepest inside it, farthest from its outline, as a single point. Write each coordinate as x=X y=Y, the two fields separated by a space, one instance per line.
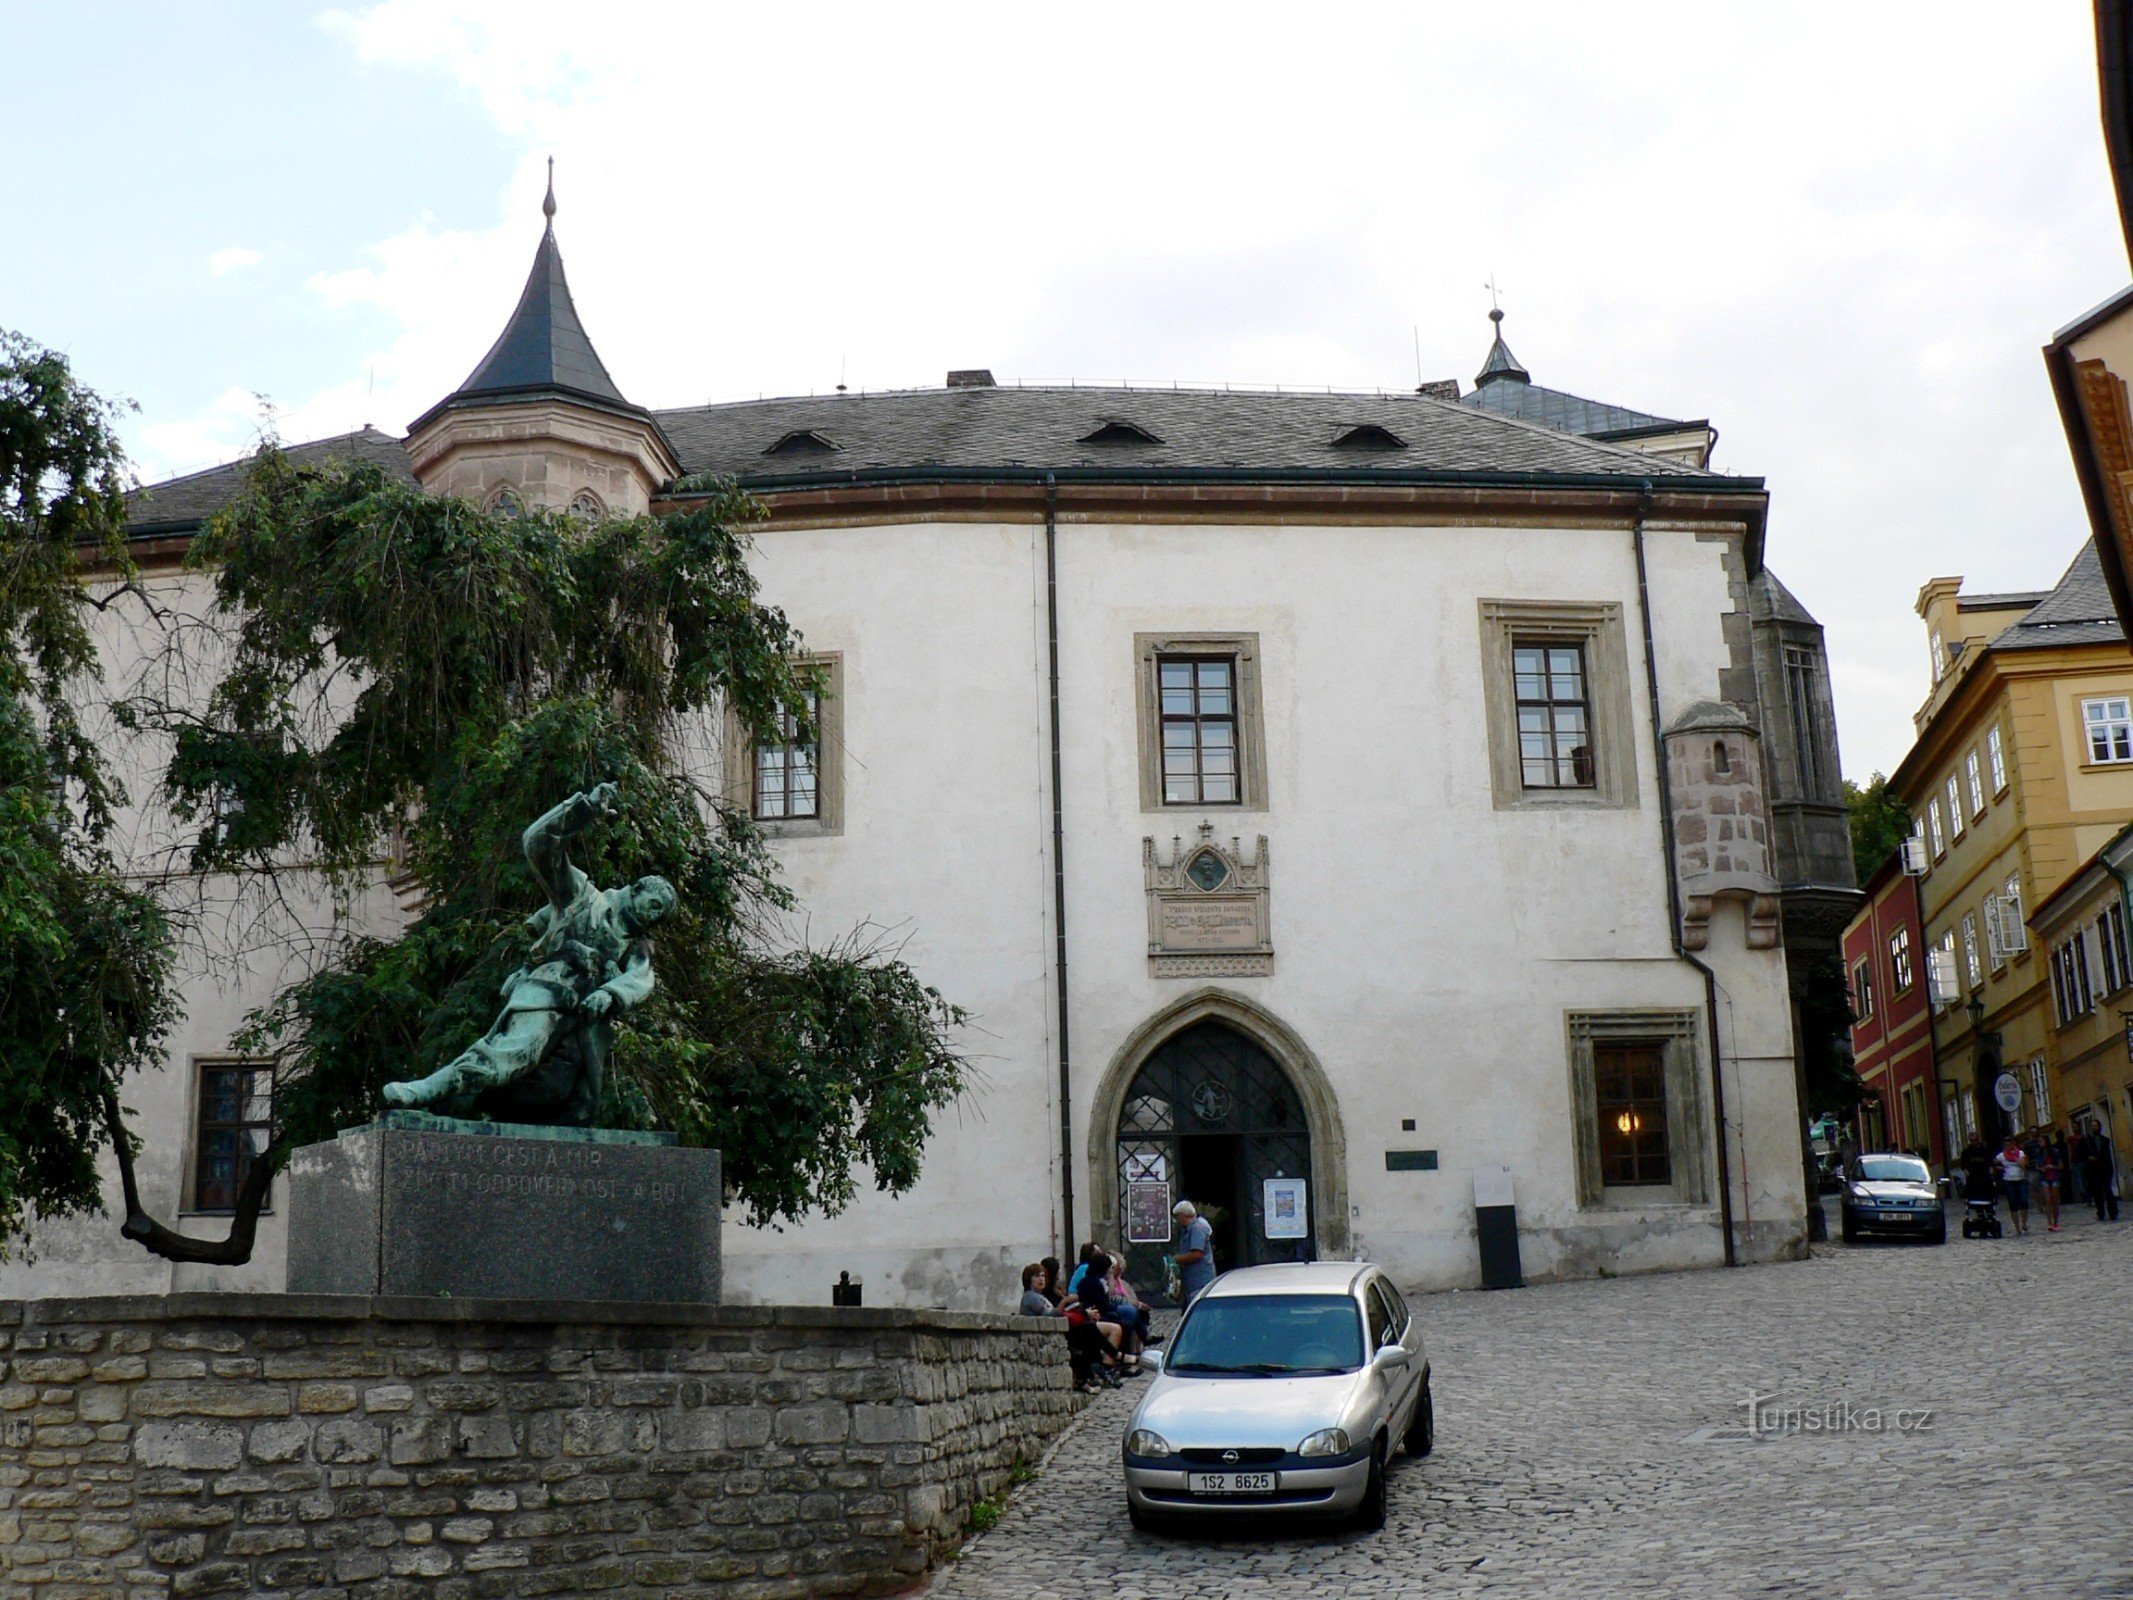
x=1422 y=1427
x=1851 y=1228
x=1370 y=1515
x=1939 y=1235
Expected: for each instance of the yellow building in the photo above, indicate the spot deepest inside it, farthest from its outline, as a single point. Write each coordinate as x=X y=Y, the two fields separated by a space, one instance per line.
x=2023 y=769
x=2081 y=935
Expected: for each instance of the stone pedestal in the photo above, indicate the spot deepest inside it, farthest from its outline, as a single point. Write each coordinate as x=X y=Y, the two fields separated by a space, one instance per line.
x=429 y=1206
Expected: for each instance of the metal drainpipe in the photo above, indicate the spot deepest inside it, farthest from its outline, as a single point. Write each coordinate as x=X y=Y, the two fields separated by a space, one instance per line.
x=1673 y=883
x=1059 y=929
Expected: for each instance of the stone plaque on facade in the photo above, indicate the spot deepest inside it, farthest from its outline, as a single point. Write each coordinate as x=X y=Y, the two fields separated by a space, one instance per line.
x=1207 y=908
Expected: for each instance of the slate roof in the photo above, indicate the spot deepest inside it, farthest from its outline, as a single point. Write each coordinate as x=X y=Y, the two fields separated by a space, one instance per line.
x=544 y=345
x=188 y=501
x=1506 y=388
x=1770 y=601
x=2077 y=611
x=976 y=429
x=1553 y=408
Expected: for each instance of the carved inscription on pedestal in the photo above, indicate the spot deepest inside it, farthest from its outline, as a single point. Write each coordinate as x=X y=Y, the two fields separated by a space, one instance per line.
x=524 y=1170
x=1207 y=909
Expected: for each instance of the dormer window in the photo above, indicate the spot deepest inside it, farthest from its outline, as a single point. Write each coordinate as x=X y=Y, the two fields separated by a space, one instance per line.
x=1118 y=431
x=1369 y=436
x=804 y=442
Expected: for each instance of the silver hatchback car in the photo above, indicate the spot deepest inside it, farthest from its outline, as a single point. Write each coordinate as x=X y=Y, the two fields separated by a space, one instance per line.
x=1285 y=1391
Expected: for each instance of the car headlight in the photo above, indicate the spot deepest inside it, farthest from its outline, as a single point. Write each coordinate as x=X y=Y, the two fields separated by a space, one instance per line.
x=1325 y=1442
x=1142 y=1442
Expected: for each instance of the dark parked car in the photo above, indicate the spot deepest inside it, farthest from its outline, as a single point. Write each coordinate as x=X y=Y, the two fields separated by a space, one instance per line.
x=1893 y=1193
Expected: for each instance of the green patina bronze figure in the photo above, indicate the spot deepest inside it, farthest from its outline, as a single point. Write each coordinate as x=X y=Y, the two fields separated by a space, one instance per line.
x=546 y=1056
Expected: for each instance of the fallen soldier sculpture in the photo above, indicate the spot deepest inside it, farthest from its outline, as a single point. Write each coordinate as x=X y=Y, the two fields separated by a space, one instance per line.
x=545 y=1058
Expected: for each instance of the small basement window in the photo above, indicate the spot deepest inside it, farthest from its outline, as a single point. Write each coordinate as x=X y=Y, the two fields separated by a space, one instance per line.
x=1369 y=436
x=804 y=442
x=1115 y=431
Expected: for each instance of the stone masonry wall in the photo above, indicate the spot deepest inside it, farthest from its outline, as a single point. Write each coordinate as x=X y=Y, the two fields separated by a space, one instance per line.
x=345 y=1448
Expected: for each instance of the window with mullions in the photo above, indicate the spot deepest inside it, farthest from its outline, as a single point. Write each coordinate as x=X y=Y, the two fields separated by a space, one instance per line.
x=1629 y=1092
x=2110 y=729
x=1554 y=715
x=1199 y=723
x=235 y=1122
x=786 y=769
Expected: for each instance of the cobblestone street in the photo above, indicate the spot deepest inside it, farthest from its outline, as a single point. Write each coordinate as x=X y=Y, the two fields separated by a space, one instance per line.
x=1591 y=1442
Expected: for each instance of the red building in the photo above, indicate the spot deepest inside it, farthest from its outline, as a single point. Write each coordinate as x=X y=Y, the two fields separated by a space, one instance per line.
x=1892 y=1037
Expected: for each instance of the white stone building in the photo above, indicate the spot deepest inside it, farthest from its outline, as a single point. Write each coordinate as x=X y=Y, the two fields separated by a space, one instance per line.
x=1288 y=783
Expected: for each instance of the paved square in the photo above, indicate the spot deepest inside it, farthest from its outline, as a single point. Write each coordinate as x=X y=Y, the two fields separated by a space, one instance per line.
x=1591 y=1441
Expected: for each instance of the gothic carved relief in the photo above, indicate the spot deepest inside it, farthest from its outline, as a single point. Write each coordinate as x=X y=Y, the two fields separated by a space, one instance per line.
x=1207 y=909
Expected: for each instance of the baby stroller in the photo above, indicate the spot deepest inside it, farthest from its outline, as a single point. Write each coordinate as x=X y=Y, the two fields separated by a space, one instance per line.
x=1981 y=1217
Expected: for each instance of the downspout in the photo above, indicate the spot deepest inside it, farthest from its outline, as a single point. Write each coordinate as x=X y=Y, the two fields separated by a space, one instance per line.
x=1673 y=882
x=1059 y=920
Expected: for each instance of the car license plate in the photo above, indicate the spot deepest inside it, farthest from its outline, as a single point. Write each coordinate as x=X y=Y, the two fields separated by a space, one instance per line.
x=1232 y=1482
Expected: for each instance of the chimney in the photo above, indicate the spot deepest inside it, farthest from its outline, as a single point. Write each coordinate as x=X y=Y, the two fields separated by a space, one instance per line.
x=970 y=378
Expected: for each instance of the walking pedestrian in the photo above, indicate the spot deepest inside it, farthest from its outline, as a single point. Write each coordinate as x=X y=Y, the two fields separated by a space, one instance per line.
x=2045 y=1168
x=2098 y=1167
x=2014 y=1178
x=1195 y=1253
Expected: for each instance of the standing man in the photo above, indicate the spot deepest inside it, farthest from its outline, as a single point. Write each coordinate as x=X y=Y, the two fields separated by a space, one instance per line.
x=2096 y=1158
x=1196 y=1251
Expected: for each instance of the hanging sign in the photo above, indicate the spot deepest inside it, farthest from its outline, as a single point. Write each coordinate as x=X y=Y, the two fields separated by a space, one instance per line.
x=2007 y=1090
x=1147 y=1213
x=1287 y=1209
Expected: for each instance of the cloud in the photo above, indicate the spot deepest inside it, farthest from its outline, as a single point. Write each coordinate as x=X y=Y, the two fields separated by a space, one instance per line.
x=233 y=259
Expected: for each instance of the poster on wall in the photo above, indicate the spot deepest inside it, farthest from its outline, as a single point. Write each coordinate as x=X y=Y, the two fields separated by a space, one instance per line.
x=1286 y=1209
x=1148 y=1213
x=1145 y=1166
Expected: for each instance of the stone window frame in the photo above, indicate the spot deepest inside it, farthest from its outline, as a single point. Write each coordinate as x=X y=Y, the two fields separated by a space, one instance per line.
x=1251 y=719
x=1598 y=627
x=1678 y=1035
x=828 y=821
x=197 y=1068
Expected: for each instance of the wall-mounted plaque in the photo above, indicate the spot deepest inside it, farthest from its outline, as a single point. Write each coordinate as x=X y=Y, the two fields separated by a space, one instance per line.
x=1207 y=908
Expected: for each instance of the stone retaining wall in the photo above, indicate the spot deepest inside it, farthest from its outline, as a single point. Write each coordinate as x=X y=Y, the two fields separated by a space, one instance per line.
x=349 y=1448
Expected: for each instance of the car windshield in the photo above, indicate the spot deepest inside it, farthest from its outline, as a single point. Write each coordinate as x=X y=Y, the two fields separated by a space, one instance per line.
x=1268 y=1335
x=1893 y=1169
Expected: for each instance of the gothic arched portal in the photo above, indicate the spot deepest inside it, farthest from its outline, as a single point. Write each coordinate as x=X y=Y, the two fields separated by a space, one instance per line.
x=1210 y=1099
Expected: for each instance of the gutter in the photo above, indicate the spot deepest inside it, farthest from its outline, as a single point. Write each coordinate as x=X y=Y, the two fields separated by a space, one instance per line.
x=1673 y=879
x=853 y=477
x=1059 y=917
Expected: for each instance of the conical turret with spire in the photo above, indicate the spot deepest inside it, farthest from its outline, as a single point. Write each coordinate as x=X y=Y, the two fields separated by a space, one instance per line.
x=1501 y=363
x=539 y=420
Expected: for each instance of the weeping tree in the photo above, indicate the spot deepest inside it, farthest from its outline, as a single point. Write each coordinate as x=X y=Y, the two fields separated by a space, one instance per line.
x=390 y=684
x=85 y=957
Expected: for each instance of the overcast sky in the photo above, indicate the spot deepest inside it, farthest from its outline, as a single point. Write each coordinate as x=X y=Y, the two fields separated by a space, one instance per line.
x=1840 y=232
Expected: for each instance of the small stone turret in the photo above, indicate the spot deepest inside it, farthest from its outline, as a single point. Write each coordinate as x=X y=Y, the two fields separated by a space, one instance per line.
x=539 y=422
x=1714 y=769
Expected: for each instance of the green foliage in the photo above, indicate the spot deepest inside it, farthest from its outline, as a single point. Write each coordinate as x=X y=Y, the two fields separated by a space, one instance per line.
x=84 y=958
x=1879 y=824
x=415 y=669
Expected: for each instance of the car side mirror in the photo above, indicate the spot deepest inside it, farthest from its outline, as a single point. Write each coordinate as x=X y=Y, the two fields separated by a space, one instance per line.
x=1390 y=1356
x=1151 y=1362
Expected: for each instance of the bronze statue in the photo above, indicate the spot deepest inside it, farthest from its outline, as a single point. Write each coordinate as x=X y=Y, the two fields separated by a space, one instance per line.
x=544 y=1059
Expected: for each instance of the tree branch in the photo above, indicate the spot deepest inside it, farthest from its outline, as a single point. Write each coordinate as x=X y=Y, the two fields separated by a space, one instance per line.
x=170 y=1244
